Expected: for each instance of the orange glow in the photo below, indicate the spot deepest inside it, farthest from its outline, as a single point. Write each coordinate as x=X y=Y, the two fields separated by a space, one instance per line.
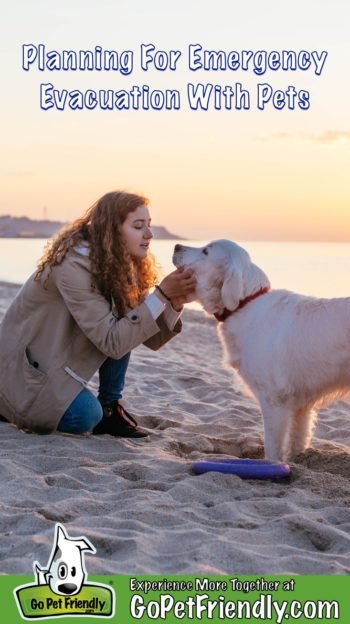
x=273 y=175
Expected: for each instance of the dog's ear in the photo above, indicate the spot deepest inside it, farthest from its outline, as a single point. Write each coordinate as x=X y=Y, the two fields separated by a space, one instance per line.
x=61 y=536
x=253 y=279
x=232 y=289
x=85 y=544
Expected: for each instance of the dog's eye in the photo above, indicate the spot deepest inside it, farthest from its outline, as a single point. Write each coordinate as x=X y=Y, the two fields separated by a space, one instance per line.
x=73 y=571
x=62 y=571
x=205 y=251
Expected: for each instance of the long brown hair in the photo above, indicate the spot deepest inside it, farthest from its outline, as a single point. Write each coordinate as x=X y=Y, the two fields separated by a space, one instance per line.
x=114 y=272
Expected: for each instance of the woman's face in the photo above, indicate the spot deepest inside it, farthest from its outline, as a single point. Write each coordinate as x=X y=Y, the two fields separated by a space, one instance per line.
x=136 y=232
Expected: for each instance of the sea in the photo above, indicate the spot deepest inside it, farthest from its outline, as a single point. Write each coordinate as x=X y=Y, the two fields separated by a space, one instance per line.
x=311 y=268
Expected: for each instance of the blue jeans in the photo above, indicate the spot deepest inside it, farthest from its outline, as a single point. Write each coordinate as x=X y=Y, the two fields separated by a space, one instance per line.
x=85 y=411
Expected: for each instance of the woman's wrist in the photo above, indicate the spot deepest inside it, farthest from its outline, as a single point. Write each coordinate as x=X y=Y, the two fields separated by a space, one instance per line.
x=177 y=305
x=160 y=290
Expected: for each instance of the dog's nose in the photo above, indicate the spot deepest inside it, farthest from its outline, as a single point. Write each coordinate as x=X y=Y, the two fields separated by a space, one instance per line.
x=178 y=247
x=67 y=588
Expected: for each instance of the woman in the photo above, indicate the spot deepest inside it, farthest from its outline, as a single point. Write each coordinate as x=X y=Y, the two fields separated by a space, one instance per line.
x=86 y=307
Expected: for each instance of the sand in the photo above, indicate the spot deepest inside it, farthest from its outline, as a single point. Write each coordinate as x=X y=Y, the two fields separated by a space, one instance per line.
x=139 y=502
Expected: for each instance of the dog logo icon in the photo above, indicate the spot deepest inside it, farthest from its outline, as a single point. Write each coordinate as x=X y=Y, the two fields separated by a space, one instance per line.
x=65 y=571
x=61 y=588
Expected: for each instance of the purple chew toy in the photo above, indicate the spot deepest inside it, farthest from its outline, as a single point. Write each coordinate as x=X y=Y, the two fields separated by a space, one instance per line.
x=244 y=468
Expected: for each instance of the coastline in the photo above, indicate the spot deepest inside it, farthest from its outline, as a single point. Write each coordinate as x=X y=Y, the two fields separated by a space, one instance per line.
x=139 y=502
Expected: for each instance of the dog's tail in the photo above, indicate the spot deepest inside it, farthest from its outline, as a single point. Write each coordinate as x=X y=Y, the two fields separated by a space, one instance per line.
x=40 y=574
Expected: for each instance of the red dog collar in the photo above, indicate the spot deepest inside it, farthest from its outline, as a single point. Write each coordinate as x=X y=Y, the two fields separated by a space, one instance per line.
x=226 y=313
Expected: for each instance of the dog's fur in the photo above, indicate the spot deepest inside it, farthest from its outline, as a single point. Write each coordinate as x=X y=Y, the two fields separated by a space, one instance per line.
x=292 y=351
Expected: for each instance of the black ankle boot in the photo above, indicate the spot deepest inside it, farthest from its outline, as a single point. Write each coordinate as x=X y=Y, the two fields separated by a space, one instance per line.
x=116 y=421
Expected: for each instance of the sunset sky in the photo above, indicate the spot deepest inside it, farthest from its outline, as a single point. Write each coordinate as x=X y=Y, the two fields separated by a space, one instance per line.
x=243 y=174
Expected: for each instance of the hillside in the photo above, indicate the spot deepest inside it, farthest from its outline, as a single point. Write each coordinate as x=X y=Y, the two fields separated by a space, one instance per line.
x=23 y=227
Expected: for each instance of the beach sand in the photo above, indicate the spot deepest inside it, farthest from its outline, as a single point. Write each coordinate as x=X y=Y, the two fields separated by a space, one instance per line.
x=139 y=502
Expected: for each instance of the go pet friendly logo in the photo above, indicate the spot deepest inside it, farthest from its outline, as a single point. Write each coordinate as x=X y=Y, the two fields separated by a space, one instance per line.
x=60 y=589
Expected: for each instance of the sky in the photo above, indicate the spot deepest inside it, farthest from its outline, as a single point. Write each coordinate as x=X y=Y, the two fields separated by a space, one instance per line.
x=242 y=174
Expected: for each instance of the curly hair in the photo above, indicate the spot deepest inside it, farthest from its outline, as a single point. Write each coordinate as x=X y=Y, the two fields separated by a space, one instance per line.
x=120 y=278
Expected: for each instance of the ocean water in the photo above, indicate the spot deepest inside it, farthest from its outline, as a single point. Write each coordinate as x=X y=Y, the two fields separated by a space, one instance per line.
x=318 y=269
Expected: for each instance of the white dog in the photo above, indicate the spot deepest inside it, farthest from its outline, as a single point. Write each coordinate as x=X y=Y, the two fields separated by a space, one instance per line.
x=65 y=571
x=291 y=350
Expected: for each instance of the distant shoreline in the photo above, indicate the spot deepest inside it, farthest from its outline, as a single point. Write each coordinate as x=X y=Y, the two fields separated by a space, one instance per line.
x=24 y=227
x=44 y=236
x=4 y=284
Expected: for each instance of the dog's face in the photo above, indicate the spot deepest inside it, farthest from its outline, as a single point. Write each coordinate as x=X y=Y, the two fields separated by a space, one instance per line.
x=66 y=572
x=224 y=274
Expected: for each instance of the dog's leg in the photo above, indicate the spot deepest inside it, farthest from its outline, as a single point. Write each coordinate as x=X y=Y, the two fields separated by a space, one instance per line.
x=302 y=428
x=277 y=419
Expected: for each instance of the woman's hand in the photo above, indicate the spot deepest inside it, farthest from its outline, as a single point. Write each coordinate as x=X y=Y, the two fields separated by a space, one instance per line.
x=179 y=286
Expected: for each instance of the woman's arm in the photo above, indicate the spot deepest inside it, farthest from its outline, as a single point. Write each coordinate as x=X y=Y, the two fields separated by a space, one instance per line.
x=92 y=312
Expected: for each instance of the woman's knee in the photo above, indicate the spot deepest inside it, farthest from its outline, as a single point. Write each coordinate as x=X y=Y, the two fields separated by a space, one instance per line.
x=93 y=416
x=83 y=414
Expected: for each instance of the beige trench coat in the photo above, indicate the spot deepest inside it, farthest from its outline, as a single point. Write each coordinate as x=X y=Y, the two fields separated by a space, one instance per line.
x=53 y=339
